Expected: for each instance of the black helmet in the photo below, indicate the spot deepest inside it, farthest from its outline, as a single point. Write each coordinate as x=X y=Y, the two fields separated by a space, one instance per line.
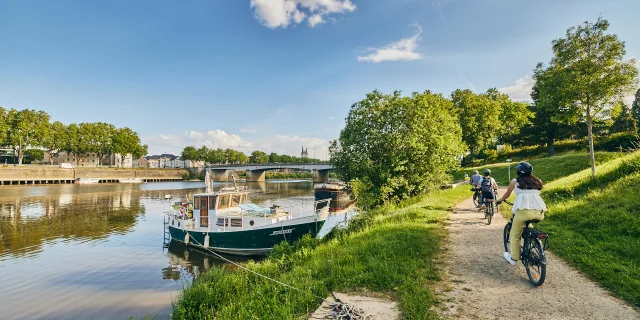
x=487 y=172
x=524 y=168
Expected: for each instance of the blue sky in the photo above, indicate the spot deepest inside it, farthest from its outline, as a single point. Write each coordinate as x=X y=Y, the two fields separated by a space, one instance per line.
x=269 y=74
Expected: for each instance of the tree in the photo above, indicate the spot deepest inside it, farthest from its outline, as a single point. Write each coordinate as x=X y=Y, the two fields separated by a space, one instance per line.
x=479 y=117
x=189 y=153
x=635 y=107
x=624 y=121
x=4 y=126
x=27 y=128
x=124 y=142
x=55 y=140
x=512 y=116
x=394 y=147
x=33 y=155
x=258 y=157
x=202 y=153
x=274 y=157
x=594 y=74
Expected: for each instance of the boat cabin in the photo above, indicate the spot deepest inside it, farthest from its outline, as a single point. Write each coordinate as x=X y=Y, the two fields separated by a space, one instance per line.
x=207 y=206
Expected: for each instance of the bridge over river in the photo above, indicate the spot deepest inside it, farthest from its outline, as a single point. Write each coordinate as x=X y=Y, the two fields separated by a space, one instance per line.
x=256 y=172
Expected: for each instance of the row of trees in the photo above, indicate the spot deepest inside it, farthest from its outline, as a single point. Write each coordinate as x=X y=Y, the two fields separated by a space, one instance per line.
x=22 y=129
x=394 y=147
x=230 y=156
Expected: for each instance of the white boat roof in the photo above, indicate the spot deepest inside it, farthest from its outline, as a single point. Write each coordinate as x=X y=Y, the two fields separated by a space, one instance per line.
x=215 y=193
x=251 y=207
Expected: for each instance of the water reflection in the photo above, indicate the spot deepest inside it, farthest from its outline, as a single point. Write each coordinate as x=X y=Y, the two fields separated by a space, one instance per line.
x=95 y=251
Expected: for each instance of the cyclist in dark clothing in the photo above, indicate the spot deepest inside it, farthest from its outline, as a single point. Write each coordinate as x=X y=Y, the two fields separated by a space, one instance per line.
x=487 y=186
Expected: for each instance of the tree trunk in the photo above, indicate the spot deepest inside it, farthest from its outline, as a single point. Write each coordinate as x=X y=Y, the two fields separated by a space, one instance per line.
x=20 y=154
x=592 y=155
x=551 y=138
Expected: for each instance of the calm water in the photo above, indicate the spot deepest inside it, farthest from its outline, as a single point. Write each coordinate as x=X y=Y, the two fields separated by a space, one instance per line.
x=96 y=251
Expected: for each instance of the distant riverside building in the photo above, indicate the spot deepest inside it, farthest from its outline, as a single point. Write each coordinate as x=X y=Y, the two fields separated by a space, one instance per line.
x=89 y=159
x=168 y=160
x=304 y=153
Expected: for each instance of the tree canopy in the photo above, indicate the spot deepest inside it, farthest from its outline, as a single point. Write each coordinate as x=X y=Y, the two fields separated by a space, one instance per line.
x=589 y=73
x=394 y=147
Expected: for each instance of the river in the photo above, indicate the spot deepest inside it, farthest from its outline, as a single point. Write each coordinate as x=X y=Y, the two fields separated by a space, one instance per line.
x=99 y=251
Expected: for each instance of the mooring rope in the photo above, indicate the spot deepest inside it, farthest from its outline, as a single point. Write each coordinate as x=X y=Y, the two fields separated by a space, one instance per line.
x=340 y=309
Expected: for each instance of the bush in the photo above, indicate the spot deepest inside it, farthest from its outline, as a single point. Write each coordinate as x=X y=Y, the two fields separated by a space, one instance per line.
x=623 y=141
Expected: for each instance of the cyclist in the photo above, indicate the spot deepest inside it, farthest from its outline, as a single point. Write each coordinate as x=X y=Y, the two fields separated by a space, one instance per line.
x=527 y=206
x=474 y=180
x=487 y=186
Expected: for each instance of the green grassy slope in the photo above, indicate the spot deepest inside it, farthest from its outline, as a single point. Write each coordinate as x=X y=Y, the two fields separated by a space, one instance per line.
x=594 y=224
x=548 y=169
x=390 y=250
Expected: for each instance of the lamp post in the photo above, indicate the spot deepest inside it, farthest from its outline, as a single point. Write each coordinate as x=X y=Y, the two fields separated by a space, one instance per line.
x=509 y=162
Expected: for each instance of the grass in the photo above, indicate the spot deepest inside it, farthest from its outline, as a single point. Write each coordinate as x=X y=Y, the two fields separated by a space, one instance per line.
x=389 y=250
x=594 y=224
x=548 y=169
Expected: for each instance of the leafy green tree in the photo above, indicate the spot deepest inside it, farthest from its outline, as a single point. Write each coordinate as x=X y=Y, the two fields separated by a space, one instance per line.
x=479 y=117
x=56 y=139
x=394 y=147
x=512 y=116
x=274 y=157
x=27 y=128
x=203 y=152
x=33 y=155
x=125 y=141
x=4 y=126
x=635 y=107
x=624 y=121
x=593 y=72
x=258 y=157
x=190 y=153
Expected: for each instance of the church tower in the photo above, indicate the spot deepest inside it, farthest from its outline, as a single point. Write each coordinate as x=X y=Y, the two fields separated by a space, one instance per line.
x=304 y=153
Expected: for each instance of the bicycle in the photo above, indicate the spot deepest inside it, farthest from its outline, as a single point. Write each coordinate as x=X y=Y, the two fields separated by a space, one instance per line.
x=476 y=197
x=532 y=257
x=490 y=207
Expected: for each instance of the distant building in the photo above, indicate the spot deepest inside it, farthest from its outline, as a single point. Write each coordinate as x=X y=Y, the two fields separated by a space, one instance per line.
x=165 y=160
x=88 y=159
x=140 y=163
x=304 y=153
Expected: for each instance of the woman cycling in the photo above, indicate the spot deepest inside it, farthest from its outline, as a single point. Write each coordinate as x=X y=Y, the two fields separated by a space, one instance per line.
x=528 y=206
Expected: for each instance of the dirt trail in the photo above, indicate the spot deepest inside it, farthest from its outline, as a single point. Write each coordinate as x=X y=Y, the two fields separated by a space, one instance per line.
x=480 y=284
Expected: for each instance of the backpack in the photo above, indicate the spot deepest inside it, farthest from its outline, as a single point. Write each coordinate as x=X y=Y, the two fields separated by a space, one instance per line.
x=486 y=185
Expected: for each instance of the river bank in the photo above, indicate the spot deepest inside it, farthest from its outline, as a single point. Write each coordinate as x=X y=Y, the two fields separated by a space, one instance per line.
x=392 y=251
x=29 y=175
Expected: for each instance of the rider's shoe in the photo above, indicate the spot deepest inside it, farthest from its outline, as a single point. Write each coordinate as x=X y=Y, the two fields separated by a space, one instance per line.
x=509 y=259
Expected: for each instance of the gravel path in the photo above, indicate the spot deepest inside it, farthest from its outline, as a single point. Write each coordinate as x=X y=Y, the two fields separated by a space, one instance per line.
x=480 y=284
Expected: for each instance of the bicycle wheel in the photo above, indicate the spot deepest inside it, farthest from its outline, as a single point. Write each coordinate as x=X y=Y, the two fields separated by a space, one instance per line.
x=506 y=235
x=490 y=215
x=535 y=262
x=476 y=201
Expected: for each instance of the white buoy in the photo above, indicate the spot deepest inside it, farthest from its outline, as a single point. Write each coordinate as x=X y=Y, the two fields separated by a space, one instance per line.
x=186 y=238
x=206 y=241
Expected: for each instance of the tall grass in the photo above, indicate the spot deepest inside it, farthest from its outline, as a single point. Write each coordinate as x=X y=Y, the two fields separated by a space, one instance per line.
x=389 y=250
x=594 y=224
x=547 y=169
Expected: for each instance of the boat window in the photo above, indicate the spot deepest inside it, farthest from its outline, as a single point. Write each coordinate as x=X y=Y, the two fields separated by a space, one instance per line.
x=196 y=203
x=243 y=198
x=212 y=203
x=235 y=200
x=222 y=222
x=236 y=222
x=203 y=203
x=224 y=201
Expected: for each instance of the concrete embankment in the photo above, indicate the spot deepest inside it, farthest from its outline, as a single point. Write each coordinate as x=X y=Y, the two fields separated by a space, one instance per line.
x=53 y=175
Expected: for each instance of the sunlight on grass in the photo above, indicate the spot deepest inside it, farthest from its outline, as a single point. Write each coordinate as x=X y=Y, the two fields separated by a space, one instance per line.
x=389 y=250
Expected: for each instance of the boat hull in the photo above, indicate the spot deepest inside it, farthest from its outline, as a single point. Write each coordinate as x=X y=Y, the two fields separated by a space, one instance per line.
x=247 y=242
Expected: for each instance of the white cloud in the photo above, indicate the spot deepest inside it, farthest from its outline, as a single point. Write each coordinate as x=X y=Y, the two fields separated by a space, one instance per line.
x=211 y=139
x=521 y=90
x=315 y=20
x=281 y=144
x=281 y=13
x=401 y=50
